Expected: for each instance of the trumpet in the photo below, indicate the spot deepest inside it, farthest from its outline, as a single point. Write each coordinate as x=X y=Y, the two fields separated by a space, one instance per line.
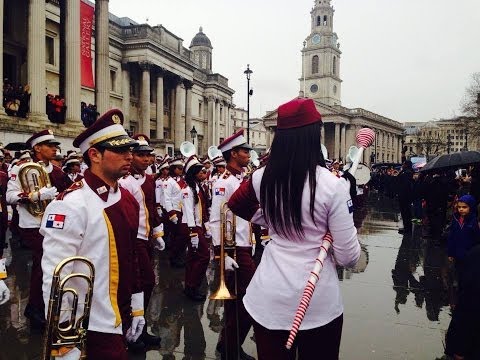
x=33 y=177
x=227 y=246
x=58 y=337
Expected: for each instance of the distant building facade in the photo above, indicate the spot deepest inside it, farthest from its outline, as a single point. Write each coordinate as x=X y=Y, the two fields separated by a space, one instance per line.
x=258 y=132
x=162 y=87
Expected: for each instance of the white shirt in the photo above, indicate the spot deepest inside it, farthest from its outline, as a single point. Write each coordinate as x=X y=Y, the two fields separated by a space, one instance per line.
x=173 y=195
x=274 y=292
x=192 y=213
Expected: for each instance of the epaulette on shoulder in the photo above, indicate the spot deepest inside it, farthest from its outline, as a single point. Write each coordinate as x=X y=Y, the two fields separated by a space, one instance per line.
x=75 y=186
x=226 y=174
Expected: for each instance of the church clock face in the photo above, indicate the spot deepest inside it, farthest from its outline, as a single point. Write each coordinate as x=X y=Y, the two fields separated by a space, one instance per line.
x=314 y=88
x=316 y=39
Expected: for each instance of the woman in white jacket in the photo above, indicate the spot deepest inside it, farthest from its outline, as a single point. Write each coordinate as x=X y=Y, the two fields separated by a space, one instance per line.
x=298 y=199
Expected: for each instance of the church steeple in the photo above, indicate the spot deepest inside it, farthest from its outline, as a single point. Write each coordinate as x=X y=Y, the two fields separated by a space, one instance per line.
x=321 y=57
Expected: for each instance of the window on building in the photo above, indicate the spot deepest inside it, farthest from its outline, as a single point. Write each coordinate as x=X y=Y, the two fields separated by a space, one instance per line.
x=50 y=50
x=200 y=109
x=315 y=61
x=325 y=20
x=319 y=21
x=334 y=65
x=113 y=80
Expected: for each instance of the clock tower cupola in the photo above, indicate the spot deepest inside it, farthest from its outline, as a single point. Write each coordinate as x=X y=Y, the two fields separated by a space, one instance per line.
x=321 y=57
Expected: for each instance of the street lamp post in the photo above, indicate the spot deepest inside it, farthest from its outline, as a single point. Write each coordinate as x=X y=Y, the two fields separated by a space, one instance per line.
x=466 y=138
x=193 y=134
x=248 y=73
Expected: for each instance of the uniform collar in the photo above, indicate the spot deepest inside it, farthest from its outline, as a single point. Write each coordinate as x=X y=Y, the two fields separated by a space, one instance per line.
x=238 y=174
x=136 y=174
x=99 y=187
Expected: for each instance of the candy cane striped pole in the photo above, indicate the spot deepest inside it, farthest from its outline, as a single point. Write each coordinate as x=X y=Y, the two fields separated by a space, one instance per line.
x=364 y=139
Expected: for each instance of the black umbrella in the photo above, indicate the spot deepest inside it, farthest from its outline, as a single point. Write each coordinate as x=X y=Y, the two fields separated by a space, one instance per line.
x=452 y=160
x=16 y=146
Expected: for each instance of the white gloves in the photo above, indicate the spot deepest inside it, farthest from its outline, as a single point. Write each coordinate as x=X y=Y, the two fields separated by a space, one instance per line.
x=230 y=264
x=194 y=240
x=4 y=293
x=73 y=354
x=174 y=219
x=134 y=332
x=45 y=193
x=208 y=234
x=159 y=243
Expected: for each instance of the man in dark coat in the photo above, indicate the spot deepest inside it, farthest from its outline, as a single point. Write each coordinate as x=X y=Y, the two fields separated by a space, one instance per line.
x=404 y=189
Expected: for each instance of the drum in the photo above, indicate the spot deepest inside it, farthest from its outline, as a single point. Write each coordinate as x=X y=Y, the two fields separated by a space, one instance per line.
x=362 y=175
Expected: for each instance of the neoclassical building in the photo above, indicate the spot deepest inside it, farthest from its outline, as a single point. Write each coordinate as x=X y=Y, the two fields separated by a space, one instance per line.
x=164 y=88
x=321 y=81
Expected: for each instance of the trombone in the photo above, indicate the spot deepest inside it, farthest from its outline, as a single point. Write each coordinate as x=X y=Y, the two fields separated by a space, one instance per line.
x=227 y=247
x=58 y=336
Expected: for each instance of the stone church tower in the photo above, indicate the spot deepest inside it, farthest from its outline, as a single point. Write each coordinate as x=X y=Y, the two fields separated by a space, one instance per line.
x=201 y=48
x=321 y=57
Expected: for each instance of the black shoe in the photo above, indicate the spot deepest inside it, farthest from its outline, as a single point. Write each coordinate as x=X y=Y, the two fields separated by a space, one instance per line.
x=245 y=356
x=193 y=294
x=36 y=317
x=150 y=340
x=137 y=346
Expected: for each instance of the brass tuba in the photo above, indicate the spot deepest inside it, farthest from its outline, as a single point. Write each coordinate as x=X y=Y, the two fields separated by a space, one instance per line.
x=227 y=246
x=61 y=336
x=33 y=177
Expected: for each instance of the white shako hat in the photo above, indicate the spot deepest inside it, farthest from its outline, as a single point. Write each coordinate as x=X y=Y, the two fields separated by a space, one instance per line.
x=44 y=136
x=237 y=140
x=192 y=161
x=107 y=132
x=219 y=161
x=176 y=162
x=165 y=162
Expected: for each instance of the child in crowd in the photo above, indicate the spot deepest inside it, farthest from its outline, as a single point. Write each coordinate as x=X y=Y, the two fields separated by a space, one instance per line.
x=464 y=232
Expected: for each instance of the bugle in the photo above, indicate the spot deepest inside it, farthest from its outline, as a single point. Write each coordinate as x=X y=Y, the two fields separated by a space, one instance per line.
x=33 y=177
x=364 y=139
x=61 y=336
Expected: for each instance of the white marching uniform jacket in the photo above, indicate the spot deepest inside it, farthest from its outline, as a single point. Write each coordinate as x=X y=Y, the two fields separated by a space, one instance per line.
x=134 y=187
x=222 y=190
x=173 y=195
x=100 y=224
x=274 y=293
x=159 y=192
x=192 y=213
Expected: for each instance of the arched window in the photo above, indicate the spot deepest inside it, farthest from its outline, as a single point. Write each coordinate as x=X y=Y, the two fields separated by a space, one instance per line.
x=334 y=65
x=319 y=20
x=315 y=64
x=325 y=20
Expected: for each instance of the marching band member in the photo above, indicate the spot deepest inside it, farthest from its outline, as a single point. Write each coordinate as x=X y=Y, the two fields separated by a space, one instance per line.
x=208 y=166
x=194 y=213
x=173 y=206
x=160 y=184
x=4 y=291
x=72 y=167
x=296 y=197
x=236 y=152
x=220 y=164
x=142 y=186
x=336 y=169
x=44 y=148
x=98 y=219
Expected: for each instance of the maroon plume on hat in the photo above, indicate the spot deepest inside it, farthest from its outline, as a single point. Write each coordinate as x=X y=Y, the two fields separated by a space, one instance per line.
x=297 y=113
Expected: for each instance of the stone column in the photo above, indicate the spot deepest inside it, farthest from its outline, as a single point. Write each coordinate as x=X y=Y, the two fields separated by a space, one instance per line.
x=160 y=105
x=210 y=120
x=343 y=142
x=188 y=108
x=102 y=65
x=126 y=94
x=218 y=121
x=179 y=122
x=336 y=144
x=2 y=110
x=36 y=57
x=72 y=55
x=145 y=99
x=399 y=149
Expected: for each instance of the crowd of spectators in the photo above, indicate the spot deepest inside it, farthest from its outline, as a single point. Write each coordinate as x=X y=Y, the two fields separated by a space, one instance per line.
x=16 y=99
x=89 y=114
x=56 y=109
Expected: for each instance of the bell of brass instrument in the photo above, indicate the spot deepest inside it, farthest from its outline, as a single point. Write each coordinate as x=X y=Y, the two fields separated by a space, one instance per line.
x=227 y=246
x=33 y=177
x=59 y=334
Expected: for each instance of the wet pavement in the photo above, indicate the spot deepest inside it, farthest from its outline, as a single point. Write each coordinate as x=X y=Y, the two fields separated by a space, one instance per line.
x=396 y=300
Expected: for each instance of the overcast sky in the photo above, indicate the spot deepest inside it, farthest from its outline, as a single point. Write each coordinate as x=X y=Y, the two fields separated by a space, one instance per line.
x=409 y=60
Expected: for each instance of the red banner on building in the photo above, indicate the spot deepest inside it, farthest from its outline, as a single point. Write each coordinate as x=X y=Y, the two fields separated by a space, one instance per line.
x=86 y=23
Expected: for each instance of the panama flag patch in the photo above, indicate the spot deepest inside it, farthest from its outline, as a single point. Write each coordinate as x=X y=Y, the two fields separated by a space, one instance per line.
x=220 y=191
x=55 y=221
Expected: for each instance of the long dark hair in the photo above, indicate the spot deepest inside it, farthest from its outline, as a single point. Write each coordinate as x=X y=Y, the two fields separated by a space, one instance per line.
x=294 y=156
x=191 y=180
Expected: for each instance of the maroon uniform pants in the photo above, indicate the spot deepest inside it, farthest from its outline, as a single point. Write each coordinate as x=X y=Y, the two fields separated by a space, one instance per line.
x=101 y=346
x=147 y=276
x=235 y=311
x=197 y=261
x=34 y=240
x=180 y=237
x=319 y=343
